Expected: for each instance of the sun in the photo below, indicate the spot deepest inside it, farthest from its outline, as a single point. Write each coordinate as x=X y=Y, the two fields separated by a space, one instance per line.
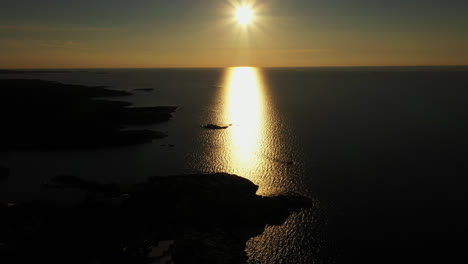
x=244 y=15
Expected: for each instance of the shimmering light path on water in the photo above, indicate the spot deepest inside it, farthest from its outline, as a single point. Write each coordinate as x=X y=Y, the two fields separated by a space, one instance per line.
x=244 y=108
x=254 y=147
x=257 y=144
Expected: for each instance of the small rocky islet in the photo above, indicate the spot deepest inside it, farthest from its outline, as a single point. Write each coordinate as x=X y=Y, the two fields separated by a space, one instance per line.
x=214 y=126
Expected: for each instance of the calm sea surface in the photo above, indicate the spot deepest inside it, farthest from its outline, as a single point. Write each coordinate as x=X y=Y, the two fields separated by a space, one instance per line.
x=383 y=151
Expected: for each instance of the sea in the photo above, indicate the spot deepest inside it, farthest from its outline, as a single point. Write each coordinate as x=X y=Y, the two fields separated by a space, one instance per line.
x=382 y=151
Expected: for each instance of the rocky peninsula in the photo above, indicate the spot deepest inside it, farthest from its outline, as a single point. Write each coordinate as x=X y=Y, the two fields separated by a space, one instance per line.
x=41 y=115
x=206 y=218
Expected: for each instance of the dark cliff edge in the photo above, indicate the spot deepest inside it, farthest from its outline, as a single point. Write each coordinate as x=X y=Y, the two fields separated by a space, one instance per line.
x=42 y=115
x=207 y=218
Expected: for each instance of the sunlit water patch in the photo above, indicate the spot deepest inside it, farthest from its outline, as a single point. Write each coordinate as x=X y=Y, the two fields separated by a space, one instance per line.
x=256 y=145
x=259 y=145
x=379 y=140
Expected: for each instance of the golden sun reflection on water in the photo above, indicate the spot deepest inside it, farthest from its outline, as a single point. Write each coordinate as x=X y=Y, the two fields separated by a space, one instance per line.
x=257 y=146
x=253 y=146
x=244 y=109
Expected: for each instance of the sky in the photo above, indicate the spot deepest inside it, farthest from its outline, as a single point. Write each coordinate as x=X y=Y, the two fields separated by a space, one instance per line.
x=205 y=33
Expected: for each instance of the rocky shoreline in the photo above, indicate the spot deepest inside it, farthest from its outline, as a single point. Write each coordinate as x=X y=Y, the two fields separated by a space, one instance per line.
x=208 y=218
x=201 y=218
x=42 y=115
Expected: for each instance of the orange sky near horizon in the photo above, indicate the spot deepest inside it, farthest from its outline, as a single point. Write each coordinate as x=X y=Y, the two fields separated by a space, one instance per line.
x=185 y=33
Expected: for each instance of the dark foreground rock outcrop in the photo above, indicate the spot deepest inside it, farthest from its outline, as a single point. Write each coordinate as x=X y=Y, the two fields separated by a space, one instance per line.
x=4 y=172
x=206 y=219
x=42 y=115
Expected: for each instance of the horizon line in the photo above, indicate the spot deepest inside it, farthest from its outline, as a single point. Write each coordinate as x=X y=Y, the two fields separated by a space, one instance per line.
x=240 y=66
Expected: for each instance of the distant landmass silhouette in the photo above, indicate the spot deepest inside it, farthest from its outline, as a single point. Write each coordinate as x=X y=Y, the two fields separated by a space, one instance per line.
x=71 y=116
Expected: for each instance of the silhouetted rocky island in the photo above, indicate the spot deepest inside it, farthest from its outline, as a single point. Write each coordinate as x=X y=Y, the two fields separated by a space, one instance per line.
x=202 y=218
x=39 y=114
x=213 y=126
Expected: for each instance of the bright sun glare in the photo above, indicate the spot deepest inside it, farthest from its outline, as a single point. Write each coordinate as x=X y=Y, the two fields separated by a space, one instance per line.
x=244 y=15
